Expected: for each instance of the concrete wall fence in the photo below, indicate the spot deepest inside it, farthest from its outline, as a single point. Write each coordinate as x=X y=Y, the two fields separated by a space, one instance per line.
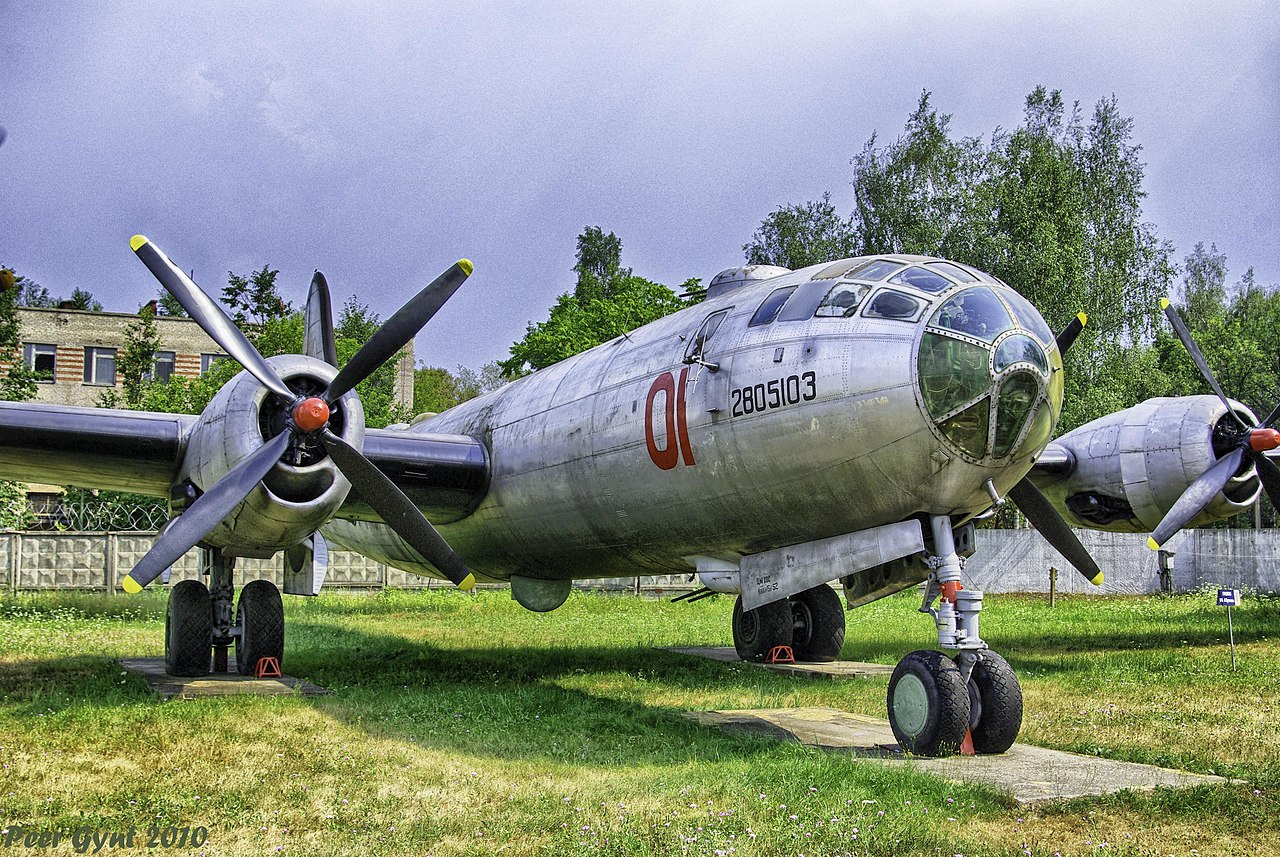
x=1006 y=561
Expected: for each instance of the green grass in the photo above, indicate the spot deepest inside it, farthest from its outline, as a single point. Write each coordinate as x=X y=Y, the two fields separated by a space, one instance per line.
x=465 y=725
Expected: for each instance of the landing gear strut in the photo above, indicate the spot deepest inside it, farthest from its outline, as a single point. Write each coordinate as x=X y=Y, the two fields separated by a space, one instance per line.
x=201 y=625
x=935 y=702
x=811 y=622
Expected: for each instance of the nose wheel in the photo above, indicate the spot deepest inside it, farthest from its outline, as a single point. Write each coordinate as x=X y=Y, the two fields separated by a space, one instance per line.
x=932 y=706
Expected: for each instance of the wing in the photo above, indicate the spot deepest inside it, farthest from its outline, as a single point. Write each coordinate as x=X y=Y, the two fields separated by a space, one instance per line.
x=92 y=447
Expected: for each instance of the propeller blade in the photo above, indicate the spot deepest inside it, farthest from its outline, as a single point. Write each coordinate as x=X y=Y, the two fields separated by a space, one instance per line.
x=397 y=510
x=209 y=316
x=1069 y=333
x=1269 y=473
x=186 y=531
x=319 y=342
x=1045 y=517
x=1196 y=497
x=398 y=330
x=1188 y=343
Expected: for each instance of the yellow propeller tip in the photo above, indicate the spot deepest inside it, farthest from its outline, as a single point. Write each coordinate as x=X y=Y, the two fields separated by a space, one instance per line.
x=468 y=583
x=1084 y=318
x=137 y=241
x=130 y=585
x=466 y=266
x=1096 y=580
x=1164 y=303
x=1151 y=543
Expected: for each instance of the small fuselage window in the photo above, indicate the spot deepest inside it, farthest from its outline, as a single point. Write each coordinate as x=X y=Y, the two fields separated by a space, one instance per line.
x=922 y=279
x=842 y=301
x=875 y=270
x=895 y=305
x=772 y=305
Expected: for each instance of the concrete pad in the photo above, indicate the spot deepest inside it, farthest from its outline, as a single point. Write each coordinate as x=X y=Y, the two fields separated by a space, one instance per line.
x=832 y=670
x=216 y=684
x=1028 y=773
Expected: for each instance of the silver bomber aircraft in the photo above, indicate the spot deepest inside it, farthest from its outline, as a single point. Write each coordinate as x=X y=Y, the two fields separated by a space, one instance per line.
x=845 y=423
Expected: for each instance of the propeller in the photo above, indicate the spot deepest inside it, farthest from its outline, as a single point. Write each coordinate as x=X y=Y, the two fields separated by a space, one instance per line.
x=1045 y=517
x=308 y=416
x=1247 y=444
x=1039 y=511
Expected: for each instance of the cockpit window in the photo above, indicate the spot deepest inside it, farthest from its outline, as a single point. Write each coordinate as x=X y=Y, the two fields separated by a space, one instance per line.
x=955 y=272
x=1017 y=394
x=952 y=372
x=923 y=279
x=842 y=301
x=975 y=312
x=772 y=305
x=1020 y=349
x=875 y=270
x=968 y=429
x=1027 y=315
x=708 y=329
x=896 y=305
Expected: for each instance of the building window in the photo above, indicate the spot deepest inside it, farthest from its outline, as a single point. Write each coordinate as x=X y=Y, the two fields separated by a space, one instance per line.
x=163 y=370
x=100 y=366
x=40 y=359
x=207 y=361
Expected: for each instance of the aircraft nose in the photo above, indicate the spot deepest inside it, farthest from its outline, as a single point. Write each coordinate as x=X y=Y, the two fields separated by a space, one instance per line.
x=990 y=375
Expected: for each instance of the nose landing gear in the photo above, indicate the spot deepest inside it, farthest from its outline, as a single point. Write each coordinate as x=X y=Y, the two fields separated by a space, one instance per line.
x=934 y=701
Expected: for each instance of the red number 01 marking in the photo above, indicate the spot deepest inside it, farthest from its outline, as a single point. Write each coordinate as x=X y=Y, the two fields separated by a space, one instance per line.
x=675 y=421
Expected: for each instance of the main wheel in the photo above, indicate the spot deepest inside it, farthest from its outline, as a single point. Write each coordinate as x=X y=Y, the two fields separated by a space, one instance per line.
x=928 y=704
x=998 y=697
x=757 y=631
x=260 y=615
x=818 y=619
x=188 y=629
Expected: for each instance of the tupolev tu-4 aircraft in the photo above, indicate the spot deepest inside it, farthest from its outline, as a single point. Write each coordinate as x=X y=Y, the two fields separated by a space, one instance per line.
x=847 y=423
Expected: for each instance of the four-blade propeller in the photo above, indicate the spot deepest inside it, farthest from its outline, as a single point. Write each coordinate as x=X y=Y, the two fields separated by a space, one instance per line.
x=1040 y=512
x=308 y=416
x=1247 y=446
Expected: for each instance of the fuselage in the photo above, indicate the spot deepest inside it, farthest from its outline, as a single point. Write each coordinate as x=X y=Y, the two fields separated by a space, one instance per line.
x=814 y=403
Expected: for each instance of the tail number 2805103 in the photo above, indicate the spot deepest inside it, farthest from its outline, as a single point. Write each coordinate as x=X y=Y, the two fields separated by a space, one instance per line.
x=779 y=392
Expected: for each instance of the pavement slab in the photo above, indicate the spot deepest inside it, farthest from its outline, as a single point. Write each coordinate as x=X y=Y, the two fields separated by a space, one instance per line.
x=229 y=683
x=832 y=670
x=1027 y=773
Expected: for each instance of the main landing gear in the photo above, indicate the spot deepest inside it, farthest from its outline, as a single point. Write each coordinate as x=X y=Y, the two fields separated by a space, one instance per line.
x=810 y=622
x=200 y=625
x=939 y=705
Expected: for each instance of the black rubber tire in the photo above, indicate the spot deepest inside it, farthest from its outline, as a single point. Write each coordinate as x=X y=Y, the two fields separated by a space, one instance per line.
x=188 y=630
x=260 y=615
x=928 y=704
x=757 y=631
x=819 y=625
x=1000 y=696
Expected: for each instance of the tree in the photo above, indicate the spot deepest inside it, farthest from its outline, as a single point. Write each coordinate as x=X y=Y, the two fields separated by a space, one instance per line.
x=356 y=324
x=254 y=300
x=18 y=383
x=796 y=236
x=436 y=389
x=82 y=299
x=1053 y=208
x=135 y=362
x=1204 y=287
x=607 y=301
x=169 y=306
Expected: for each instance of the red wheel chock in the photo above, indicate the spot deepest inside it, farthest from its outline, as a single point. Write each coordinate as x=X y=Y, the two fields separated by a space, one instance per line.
x=966 y=746
x=267 y=668
x=780 y=655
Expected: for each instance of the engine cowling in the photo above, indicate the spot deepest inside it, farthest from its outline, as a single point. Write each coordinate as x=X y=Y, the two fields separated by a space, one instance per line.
x=302 y=491
x=1130 y=467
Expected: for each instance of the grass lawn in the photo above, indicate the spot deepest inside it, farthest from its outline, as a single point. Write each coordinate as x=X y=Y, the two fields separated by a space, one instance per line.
x=465 y=725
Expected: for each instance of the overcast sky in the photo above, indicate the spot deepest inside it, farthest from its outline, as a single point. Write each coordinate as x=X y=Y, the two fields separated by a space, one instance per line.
x=379 y=143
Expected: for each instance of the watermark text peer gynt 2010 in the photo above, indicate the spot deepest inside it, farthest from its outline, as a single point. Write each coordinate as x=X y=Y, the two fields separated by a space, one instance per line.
x=88 y=840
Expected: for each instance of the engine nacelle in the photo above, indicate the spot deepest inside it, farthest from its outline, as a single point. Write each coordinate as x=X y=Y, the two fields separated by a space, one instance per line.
x=1131 y=466
x=303 y=490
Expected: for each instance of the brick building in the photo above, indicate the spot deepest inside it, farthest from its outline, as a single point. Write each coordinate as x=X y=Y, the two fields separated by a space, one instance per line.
x=76 y=351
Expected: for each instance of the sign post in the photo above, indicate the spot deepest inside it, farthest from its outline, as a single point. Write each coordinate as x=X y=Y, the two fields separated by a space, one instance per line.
x=1230 y=598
